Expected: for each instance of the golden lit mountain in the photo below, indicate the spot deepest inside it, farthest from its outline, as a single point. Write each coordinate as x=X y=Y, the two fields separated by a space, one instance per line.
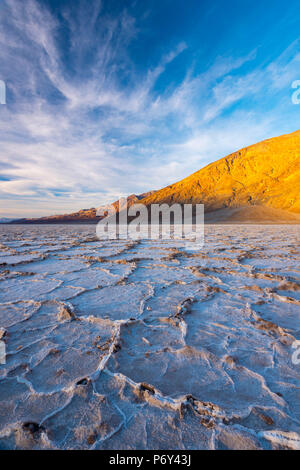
x=266 y=174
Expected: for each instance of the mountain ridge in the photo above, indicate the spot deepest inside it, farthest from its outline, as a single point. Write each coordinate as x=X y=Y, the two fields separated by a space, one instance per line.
x=266 y=173
x=262 y=178
x=83 y=215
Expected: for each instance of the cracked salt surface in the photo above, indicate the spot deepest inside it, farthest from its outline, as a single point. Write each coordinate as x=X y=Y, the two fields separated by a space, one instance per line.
x=148 y=345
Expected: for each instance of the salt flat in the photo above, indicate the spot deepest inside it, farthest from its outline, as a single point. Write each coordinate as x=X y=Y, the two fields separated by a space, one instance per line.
x=148 y=345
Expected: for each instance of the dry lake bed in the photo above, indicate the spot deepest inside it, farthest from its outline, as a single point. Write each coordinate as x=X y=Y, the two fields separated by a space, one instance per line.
x=148 y=345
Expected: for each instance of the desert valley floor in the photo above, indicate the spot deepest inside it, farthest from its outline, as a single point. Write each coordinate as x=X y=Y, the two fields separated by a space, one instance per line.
x=147 y=345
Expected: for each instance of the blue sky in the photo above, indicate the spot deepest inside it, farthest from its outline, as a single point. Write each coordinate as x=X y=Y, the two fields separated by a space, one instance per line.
x=106 y=98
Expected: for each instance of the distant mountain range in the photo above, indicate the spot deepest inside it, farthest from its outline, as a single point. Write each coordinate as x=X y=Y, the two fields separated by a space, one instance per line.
x=257 y=184
x=83 y=215
x=6 y=220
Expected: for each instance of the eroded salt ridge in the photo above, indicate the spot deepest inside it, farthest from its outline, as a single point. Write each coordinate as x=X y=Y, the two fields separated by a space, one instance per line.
x=147 y=345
